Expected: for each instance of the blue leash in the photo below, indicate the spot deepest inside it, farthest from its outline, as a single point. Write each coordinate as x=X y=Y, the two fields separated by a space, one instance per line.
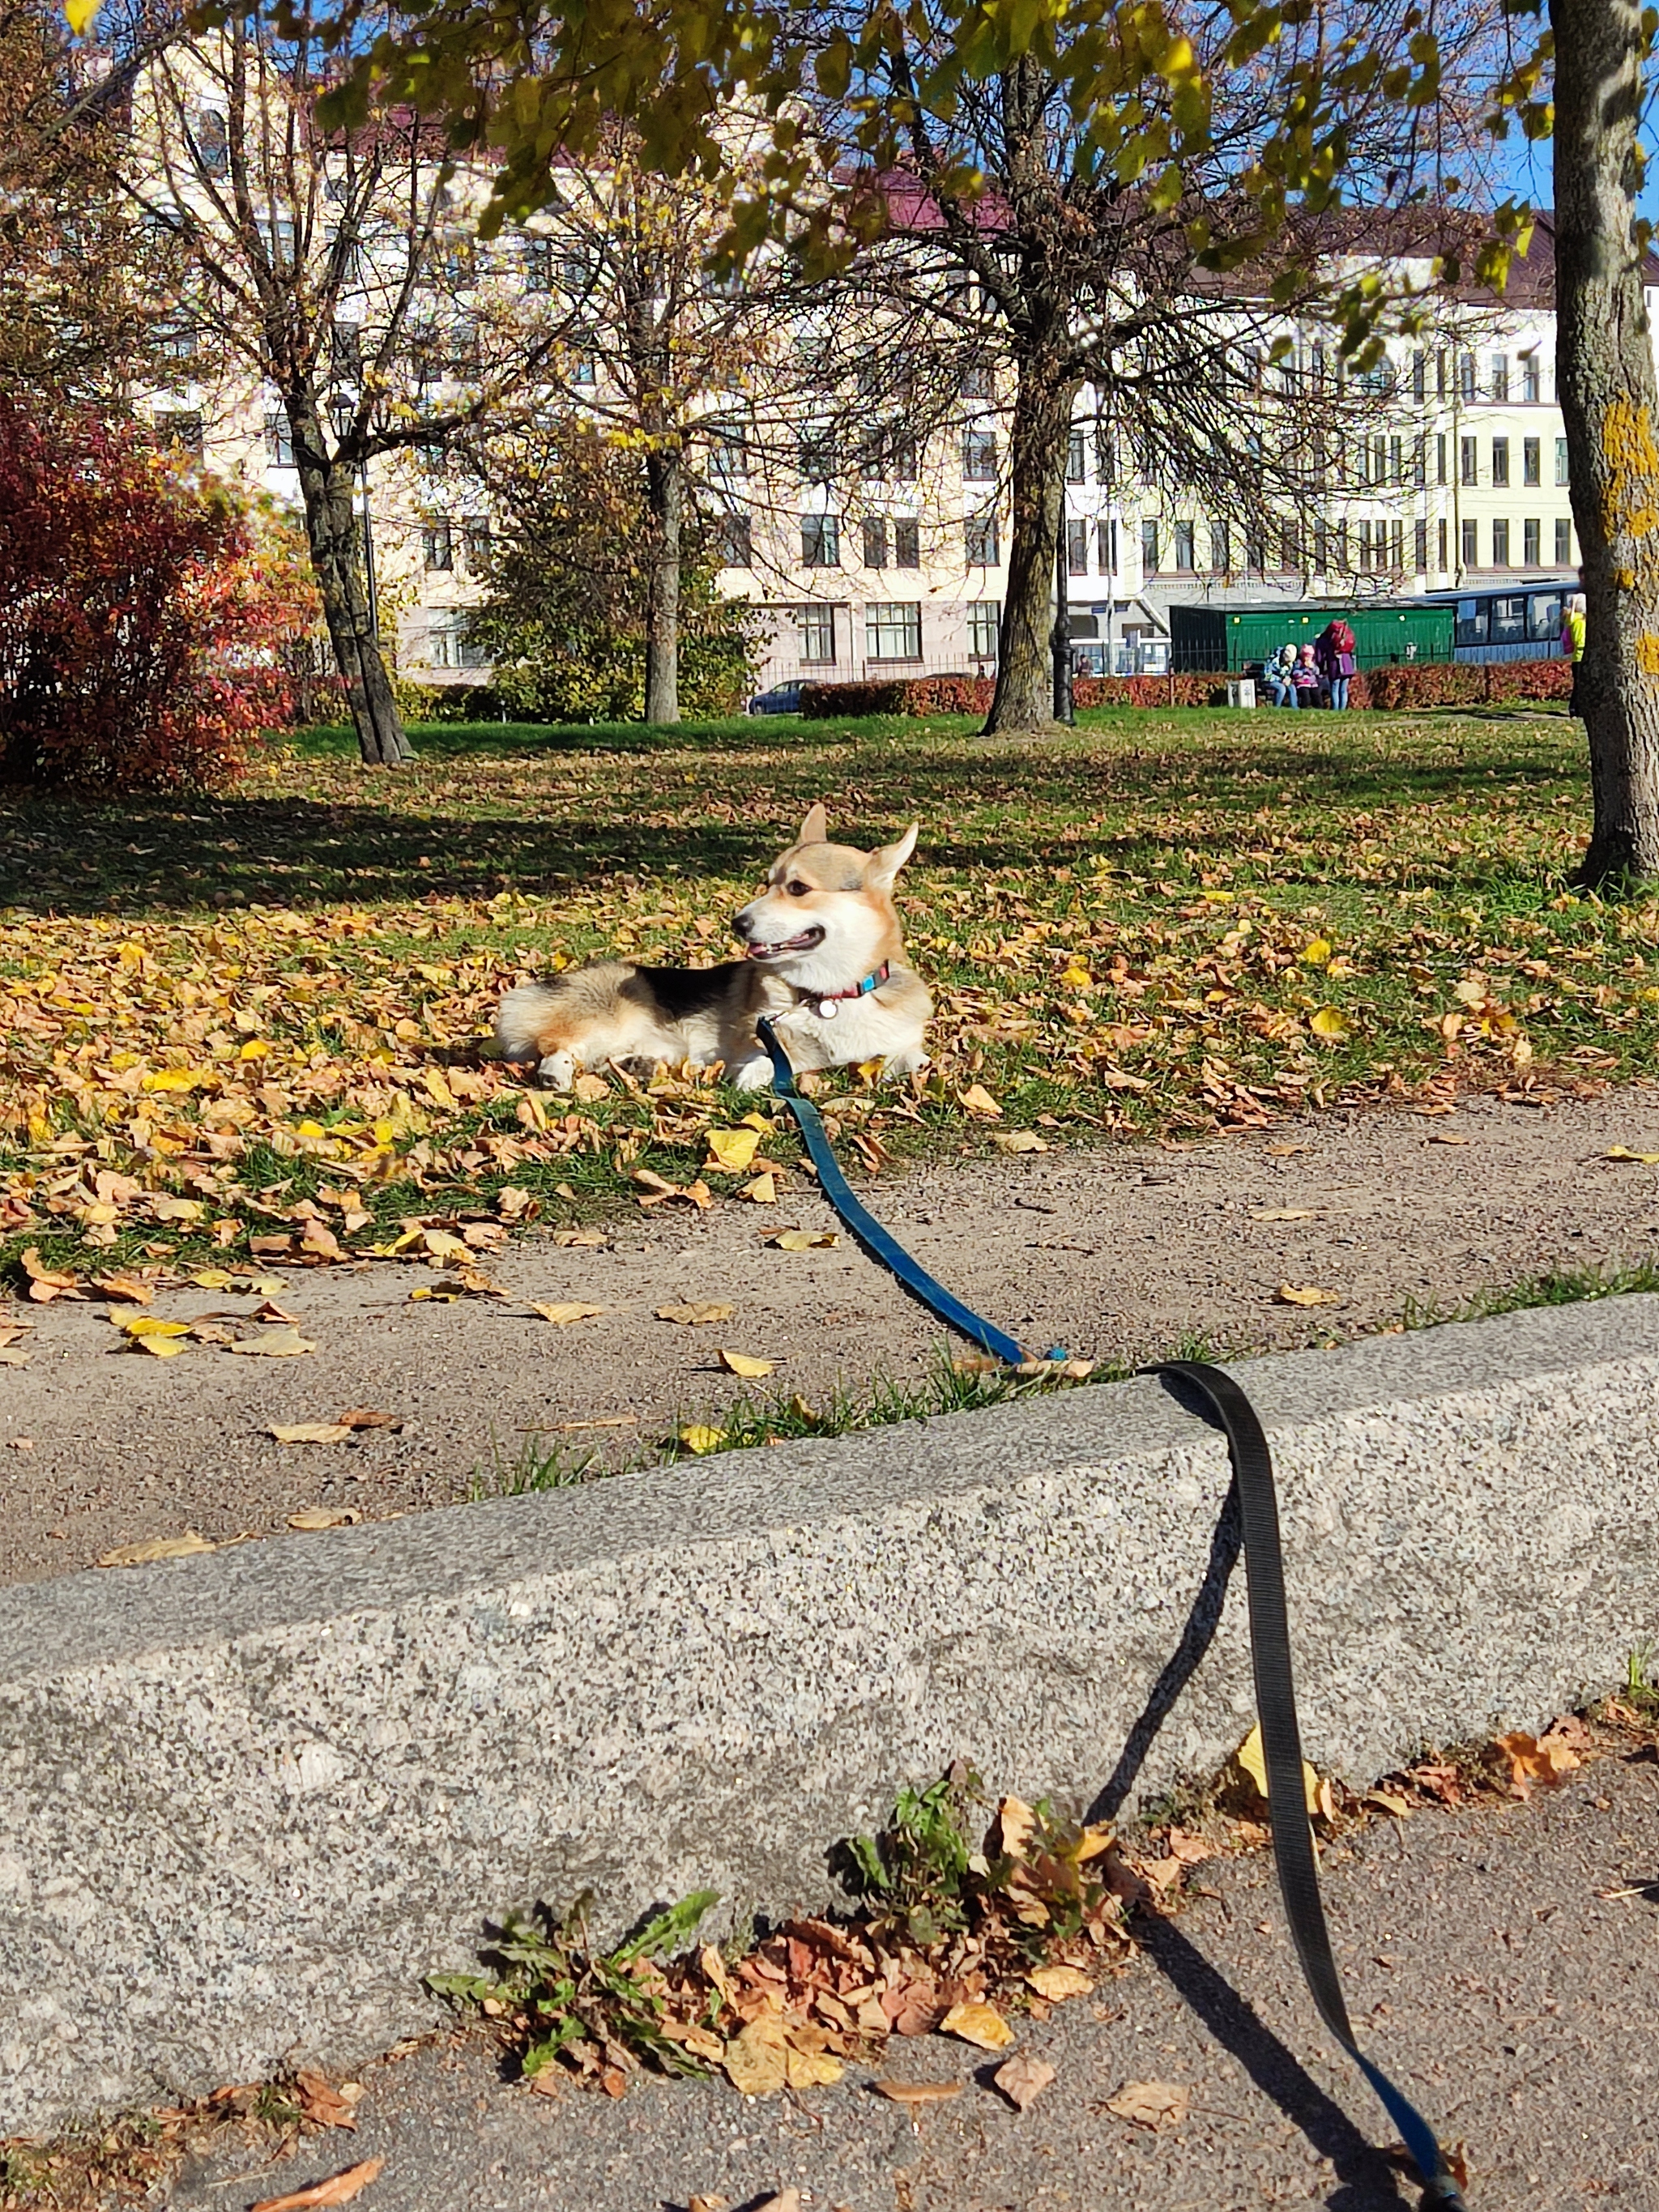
x=878 y=1242
x=1270 y=1639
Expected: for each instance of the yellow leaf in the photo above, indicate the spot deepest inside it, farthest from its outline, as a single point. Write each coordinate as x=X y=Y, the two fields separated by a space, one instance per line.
x=1316 y=953
x=978 y=1100
x=811 y=2069
x=80 y=14
x=1018 y=1140
x=695 y=1316
x=137 y=1325
x=438 y=1089
x=1622 y=1152
x=1076 y=976
x=756 y=2061
x=324 y=1516
x=562 y=1315
x=1298 y=1294
x=307 y=1433
x=759 y=1123
x=699 y=1440
x=255 y=1048
x=157 y=1547
x=159 y=1347
x=444 y=1244
x=124 y=1286
x=1328 y=1022
x=587 y=1088
x=175 y=1079
x=740 y=1362
x=803 y=1240
x=734 y=1149
x=764 y=1191
x=978 y=2024
x=1056 y=1983
x=275 y=1344
x=1251 y=1760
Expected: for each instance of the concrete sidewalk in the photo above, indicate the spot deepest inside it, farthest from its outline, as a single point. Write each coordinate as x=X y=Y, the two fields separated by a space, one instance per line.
x=1486 y=1965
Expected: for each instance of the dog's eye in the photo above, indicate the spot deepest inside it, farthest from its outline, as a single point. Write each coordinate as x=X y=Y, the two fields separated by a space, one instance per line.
x=799 y=890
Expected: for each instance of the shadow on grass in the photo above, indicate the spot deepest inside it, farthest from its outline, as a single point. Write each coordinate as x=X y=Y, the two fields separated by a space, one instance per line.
x=1138 y=797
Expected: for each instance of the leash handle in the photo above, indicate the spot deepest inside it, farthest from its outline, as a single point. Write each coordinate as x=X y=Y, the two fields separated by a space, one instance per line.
x=882 y=1246
x=1281 y=1741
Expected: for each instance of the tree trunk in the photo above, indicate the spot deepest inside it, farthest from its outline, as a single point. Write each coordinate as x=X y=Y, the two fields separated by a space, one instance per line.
x=1610 y=402
x=666 y=503
x=336 y=561
x=1023 y=699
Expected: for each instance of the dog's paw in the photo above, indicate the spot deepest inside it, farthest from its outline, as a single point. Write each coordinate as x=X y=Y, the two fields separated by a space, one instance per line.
x=754 y=1074
x=558 y=1071
x=900 y=1063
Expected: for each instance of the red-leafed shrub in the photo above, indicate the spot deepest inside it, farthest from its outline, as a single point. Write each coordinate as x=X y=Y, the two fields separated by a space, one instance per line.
x=140 y=634
x=900 y=695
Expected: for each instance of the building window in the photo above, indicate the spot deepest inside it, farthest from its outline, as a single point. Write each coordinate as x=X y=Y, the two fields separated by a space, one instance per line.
x=907 y=542
x=1531 y=381
x=1440 y=374
x=1255 y=548
x=1106 y=547
x=1184 y=559
x=818 y=633
x=979 y=456
x=1532 y=461
x=1500 y=545
x=820 y=541
x=450 y=643
x=890 y=456
x=1077 y=547
x=438 y=550
x=279 y=441
x=875 y=541
x=1466 y=378
x=475 y=543
x=1420 y=464
x=584 y=370
x=1563 y=542
x=1148 y=553
x=1290 y=546
x=984 y=621
x=978 y=380
x=979 y=539
x=1366 y=546
x=734 y=541
x=179 y=431
x=210 y=142
x=1444 y=561
x=728 y=454
x=1421 y=549
x=1440 y=457
x=1221 y=548
x=1420 y=376
x=1500 y=461
x=1396 y=461
x=1532 y=546
x=536 y=264
x=1561 y=460
x=1500 y=378
x=1469 y=454
x=816 y=455
x=1076 y=456
x=893 y=632
x=1471 y=546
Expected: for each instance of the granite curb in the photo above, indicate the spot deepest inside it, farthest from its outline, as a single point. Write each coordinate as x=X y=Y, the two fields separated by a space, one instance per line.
x=248 y=1799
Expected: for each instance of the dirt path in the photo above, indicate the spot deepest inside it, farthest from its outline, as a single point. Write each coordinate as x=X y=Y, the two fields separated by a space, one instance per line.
x=1113 y=1254
x=1499 y=1962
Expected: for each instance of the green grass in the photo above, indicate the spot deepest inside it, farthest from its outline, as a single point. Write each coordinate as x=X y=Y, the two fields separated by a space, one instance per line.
x=1161 y=922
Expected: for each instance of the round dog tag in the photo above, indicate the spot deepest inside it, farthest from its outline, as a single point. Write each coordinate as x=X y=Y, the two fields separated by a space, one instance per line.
x=826 y=1010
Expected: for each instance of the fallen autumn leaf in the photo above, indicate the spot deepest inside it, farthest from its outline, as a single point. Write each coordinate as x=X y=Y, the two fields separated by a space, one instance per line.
x=1154 y=2106
x=339 y=2191
x=1022 y=2079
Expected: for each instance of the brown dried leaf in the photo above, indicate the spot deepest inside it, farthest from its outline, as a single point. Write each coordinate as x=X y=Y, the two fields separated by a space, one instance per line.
x=1056 y=1983
x=1546 y=1760
x=307 y=1433
x=1154 y=2106
x=697 y=1315
x=756 y=2061
x=324 y=1516
x=366 y=1416
x=1022 y=2079
x=746 y=1365
x=322 y=2103
x=563 y=1314
x=917 y=2093
x=1305 y=1294
x=124 y=1287
x=274 y=1344
x=151 y=1548
x=339 y=2191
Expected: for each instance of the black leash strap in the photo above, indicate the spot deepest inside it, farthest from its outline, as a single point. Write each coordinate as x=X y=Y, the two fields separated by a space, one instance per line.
x=1281 y=1742
x=878 y=1242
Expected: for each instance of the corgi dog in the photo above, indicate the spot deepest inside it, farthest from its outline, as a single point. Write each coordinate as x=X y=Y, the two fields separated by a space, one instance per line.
x=823 y=954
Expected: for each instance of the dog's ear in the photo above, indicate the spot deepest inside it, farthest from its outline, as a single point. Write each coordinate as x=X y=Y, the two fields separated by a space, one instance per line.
x=815 y=831
x=886 y=862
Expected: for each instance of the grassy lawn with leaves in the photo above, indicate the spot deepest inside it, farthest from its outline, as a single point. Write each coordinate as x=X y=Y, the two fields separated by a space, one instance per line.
x=249 y=1024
